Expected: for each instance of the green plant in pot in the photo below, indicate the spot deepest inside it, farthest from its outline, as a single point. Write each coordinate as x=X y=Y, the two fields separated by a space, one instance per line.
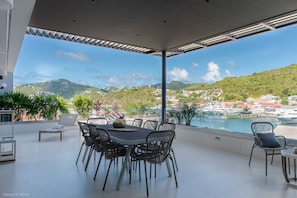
x=188 y=112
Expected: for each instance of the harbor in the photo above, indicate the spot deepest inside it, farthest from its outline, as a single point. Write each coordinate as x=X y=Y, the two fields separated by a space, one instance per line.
x=243 y=124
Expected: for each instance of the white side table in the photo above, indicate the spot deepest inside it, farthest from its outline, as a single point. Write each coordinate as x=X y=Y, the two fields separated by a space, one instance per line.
x=7 y=150
x=286 y=156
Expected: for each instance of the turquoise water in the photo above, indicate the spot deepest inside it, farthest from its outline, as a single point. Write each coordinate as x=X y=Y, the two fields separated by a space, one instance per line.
x=234 y=125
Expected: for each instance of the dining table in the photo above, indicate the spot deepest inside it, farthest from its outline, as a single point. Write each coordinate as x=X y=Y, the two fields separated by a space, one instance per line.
x=129 y=136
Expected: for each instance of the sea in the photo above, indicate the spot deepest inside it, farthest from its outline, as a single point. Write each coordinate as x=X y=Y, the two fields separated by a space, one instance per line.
x=233 y=125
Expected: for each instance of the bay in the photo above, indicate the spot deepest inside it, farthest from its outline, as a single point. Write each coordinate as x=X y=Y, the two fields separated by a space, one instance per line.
x=233 y=125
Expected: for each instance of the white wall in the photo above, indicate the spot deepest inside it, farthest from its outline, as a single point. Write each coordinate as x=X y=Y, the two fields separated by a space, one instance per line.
x=238 y=143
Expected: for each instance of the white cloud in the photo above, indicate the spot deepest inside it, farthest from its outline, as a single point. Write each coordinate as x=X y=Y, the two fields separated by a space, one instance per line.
x=113 y=80
x=73 y=55
x=195 y=64
x=178 y=74
x=228 y=73
x=31 y=77
x=129 y=80
x=82 y=82
x=231 y=64
x=213 y=73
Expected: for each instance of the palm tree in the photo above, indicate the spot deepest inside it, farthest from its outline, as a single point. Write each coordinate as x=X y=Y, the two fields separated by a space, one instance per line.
x=188 y=112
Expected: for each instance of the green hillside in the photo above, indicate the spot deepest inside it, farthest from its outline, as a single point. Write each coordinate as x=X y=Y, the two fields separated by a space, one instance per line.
x=62 y=87
x=174 y=85
x=280 y=82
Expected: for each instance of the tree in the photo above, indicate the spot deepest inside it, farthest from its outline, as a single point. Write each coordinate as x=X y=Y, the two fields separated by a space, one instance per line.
x=133 y=109
x=83 y=106
x=176 y=114
x=17 y=101
x=130 y=109
x=48 y=106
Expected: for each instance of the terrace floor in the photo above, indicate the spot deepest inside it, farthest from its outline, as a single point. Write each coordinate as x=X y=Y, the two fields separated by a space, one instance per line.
x=47 y=169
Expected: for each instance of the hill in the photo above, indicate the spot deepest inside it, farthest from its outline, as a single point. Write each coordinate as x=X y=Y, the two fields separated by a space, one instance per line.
x=68 y=89
x=62 y=87
x=174 y=85
x=280 y=82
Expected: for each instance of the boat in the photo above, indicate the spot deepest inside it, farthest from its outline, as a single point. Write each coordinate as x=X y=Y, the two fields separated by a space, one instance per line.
x=246 y=111
x=218 y=109
x=288 y=117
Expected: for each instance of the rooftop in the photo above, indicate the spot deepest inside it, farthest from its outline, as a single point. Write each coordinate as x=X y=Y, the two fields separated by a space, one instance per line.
x=47 y=169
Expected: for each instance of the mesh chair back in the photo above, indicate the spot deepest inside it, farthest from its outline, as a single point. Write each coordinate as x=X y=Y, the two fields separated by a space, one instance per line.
x=92 y=130
x=150 y=124
x=98 y=120
x=95 y=137
x=83 y=127
x=85 y=133
x=137 y=122
x=158 y=146
x=166 y=126
x=111 y=149
x=104 y=136
x=262 y=127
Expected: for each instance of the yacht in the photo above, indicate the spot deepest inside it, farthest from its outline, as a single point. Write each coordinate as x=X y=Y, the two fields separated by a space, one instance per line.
x=289 y=116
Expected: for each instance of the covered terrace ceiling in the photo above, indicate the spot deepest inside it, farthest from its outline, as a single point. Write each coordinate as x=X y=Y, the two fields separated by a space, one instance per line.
x=151 y=27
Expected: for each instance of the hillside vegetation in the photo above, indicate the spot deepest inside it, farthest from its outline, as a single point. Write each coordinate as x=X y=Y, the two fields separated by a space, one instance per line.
x=281 y=82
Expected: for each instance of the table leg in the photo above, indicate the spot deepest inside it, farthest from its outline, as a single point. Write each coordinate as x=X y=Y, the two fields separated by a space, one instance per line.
x=295 y=169
x=125 y=165
x=61 y=135
x=284 y=166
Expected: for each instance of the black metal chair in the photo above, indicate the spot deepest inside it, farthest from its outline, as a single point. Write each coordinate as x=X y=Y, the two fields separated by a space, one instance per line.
x=111 y=150
x=97 y=146
x=87 y=143
x=150 y=124
x=137 y=122
x=94 y=121
x=156 y=150
x=97 y=120
x=265 y=139
x=168 y=126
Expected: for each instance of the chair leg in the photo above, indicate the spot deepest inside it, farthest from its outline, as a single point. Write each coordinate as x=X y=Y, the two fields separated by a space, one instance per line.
x=251 y=154
x=289 y=166
x=130 y=171
x=79 y=152
x=89 y=157
x=107 y=174
x=174 y=159
x=139 y=170
x=266 y=163
x=101 y=155
x=150 y=171
x=272 y=157
x=145 y=172
x=85 y=153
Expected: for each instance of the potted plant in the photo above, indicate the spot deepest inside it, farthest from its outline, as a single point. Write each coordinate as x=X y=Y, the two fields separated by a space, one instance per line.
x=188 y=112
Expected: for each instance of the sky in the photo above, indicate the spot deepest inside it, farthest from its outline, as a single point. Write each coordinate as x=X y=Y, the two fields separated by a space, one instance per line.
x=43 y=59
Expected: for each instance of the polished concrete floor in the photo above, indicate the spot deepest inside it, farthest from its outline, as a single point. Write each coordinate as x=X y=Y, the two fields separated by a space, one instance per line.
x=47 y=169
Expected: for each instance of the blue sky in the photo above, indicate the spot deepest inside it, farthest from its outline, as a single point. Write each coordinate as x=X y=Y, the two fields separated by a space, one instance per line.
x=44 y=59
